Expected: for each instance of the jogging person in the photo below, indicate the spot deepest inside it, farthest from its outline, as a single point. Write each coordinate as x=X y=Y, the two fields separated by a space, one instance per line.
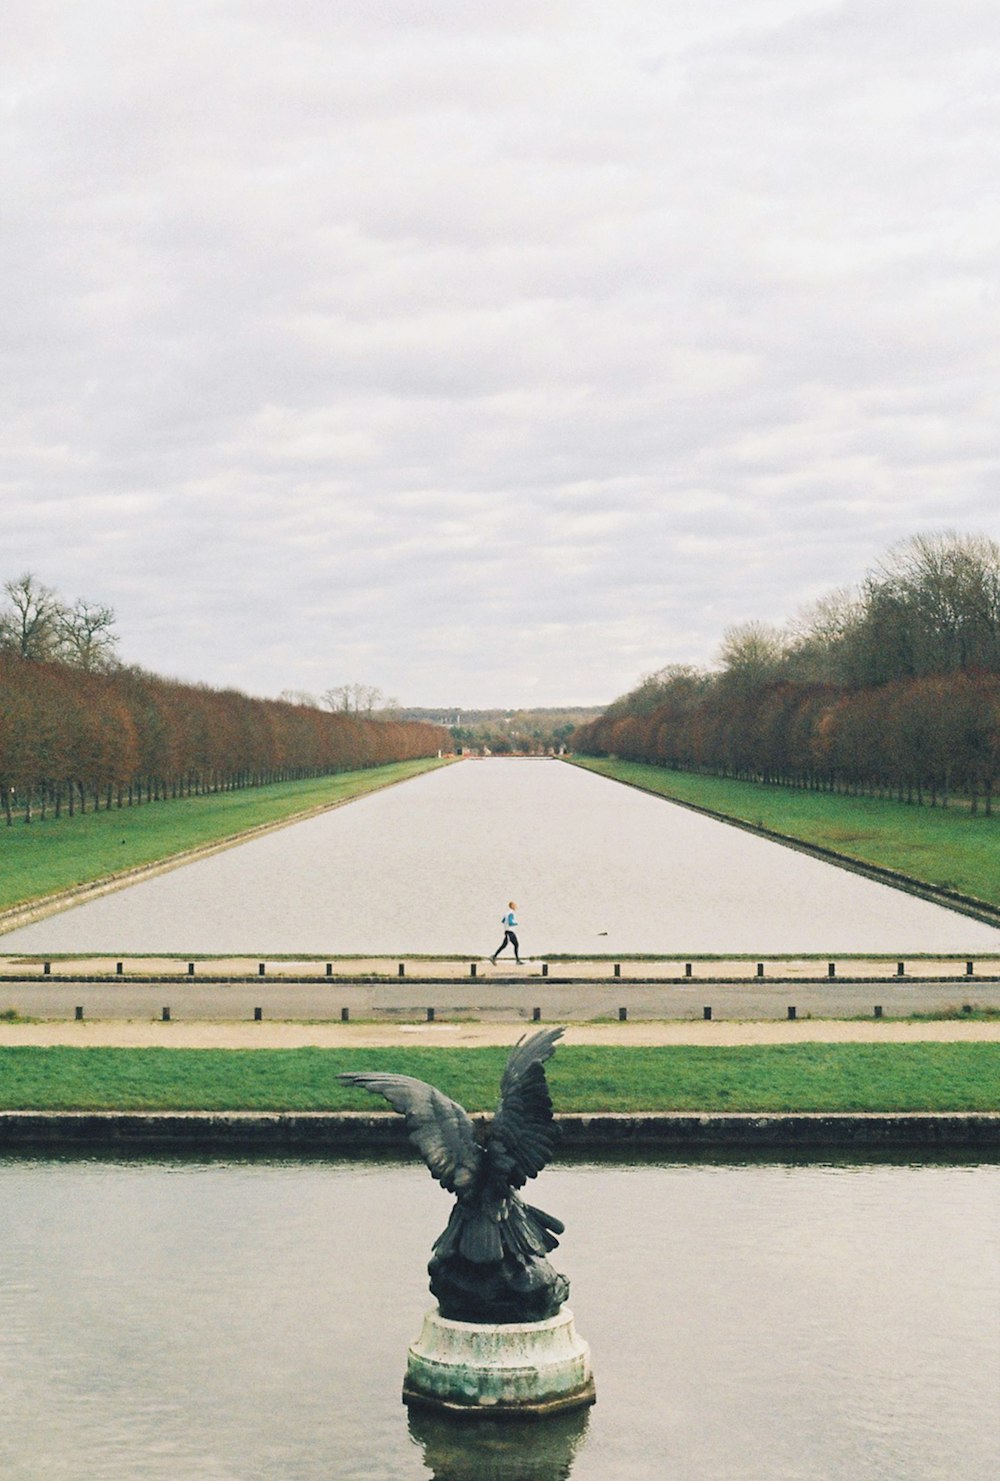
x=509 y=938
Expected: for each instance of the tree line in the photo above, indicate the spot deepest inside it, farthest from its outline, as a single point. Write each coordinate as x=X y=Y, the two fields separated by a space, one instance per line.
x=890 y=690
x=79 y=735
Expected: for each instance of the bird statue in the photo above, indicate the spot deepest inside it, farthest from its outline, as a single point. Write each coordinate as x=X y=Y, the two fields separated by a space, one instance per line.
x=489 y=1264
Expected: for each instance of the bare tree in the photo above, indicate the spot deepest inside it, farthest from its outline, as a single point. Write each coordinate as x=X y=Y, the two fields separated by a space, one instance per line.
x=820 y=638
x=752 y=653
x=357 y=699
x=86 y=636
x=30 y=626
x=338 y=698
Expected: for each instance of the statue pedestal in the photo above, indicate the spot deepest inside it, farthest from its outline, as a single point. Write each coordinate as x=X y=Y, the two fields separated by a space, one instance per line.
x=520 y=1369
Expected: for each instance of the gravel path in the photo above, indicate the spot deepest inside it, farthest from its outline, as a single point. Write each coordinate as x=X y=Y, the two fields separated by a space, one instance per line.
x=277 y=1035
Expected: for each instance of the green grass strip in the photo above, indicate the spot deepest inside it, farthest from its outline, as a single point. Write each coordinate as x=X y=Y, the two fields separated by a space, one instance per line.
x=794 y=1077
x=946 y=847
x=40 y=858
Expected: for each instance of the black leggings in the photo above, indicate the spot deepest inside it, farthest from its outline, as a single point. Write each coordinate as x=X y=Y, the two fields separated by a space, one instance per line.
x=508 y=936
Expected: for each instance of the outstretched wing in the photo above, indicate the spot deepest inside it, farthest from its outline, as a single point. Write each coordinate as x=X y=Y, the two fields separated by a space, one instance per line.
x=523 y=1123
x=438 y=1127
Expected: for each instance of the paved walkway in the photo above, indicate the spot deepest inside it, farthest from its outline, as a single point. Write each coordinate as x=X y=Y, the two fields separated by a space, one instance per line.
x=233 y=991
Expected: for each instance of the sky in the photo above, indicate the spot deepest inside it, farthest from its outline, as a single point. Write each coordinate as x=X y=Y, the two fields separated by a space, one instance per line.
x=492 y=354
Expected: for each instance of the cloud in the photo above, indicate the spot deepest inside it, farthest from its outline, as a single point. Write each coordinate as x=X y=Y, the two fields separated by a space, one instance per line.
x=489 y=353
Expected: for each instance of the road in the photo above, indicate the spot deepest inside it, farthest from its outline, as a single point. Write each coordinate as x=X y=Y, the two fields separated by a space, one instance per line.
x=493 y=1000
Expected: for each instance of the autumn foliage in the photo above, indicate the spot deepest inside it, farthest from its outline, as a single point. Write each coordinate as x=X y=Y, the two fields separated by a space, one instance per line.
x=72 y=739
x=894 y=691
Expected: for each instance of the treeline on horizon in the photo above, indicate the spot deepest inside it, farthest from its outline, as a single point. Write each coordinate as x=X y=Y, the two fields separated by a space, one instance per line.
x=889 y=690
x=75 y=735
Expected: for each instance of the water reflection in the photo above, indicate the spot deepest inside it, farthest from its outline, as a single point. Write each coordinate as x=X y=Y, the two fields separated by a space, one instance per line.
x=474 y=1449
x=230 y=1322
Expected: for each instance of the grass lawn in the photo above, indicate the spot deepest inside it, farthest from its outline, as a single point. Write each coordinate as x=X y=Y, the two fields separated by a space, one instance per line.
x=43 y=857
x=947 y=847
x=792 y=1077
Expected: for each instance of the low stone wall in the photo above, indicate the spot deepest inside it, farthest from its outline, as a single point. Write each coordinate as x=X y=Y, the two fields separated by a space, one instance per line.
x=339 y=1134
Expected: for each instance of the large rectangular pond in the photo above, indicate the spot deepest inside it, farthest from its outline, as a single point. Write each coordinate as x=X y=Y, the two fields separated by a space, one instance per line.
x=247 y=1322
x=428 y=867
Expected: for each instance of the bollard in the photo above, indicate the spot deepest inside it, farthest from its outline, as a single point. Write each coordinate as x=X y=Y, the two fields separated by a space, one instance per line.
x=345 y=1015
x=618 y=969
x=119 y=967
x=760 y=969
x=402 y=969
x=968 y=969
x=190 y=969
x=260 y=969
x=430 y=1015
x=545 y=969
x=791 y=1010
x=706 y=1012
x=536 y=1015
x=831 y=969
x=329 y=969
x=687 y=969
x=878 y=1010
x=900 y=969
x=166 y=1015
x=79 y=1013
x=472 y=969
x=622 y=1015
x=258 y=1014
x=47 y=968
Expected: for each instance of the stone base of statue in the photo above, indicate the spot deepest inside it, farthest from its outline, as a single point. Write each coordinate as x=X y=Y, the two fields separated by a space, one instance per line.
x=520 y=1369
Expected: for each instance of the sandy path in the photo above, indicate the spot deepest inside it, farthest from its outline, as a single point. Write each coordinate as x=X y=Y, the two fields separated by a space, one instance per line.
x=135 y=1034
x=581 y=969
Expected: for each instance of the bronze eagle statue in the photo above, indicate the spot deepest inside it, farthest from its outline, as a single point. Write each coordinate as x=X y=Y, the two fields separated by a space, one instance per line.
x=489 y=1264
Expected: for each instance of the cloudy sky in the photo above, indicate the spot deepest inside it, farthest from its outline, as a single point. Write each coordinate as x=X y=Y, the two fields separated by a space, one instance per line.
x=490 y=353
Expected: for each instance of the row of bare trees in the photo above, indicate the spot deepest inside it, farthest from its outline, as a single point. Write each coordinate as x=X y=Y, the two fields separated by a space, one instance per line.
x=72 y=737
x=893 y=690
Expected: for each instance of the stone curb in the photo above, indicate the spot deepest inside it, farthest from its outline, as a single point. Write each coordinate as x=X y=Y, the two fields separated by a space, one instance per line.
x=348 y=1133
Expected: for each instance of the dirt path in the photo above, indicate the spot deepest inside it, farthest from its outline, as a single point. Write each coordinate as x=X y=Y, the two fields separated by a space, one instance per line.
x=135 y=1034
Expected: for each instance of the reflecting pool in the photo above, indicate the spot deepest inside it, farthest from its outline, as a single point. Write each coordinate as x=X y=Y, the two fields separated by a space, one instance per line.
x=430 y=865
x=248 y=1321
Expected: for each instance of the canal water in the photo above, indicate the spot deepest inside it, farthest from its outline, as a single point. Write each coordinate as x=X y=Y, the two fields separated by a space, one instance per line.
x=244 y=1322
x=429 y=866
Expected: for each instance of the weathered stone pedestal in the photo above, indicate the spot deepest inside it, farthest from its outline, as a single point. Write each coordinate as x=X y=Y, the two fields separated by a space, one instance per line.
x=522 y=1369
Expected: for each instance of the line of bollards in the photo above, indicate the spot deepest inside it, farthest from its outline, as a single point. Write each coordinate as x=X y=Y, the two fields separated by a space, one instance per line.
x=536 y=1013
x=831 y=969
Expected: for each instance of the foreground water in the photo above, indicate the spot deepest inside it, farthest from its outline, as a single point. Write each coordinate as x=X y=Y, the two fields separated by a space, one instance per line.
x=228 y=1322
x=428 y=867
